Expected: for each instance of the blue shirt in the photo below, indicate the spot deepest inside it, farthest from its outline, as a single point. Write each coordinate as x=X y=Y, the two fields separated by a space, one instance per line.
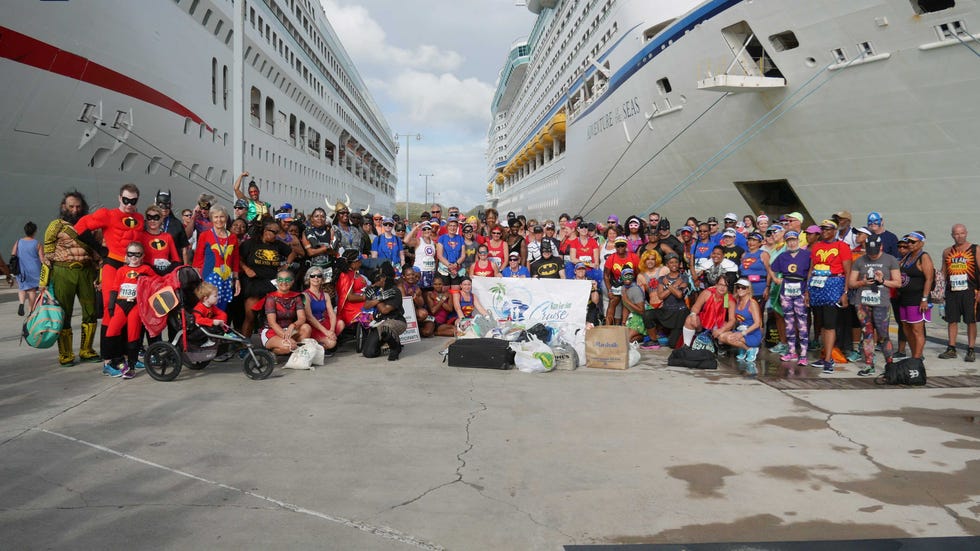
x=522 y=271
x=388 y=248
x=452 y=247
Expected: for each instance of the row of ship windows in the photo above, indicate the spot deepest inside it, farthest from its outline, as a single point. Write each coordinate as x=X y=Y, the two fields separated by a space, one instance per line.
x=300 y=134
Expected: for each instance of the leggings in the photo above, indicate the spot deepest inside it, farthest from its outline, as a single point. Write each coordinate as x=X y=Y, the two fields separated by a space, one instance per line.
x=794 y=312
x=874 y=318
x=129 y=319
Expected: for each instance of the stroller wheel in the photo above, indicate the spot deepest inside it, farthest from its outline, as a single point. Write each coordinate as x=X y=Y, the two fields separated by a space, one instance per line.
x=162 y=361
x=358 y=337
x=262 y=369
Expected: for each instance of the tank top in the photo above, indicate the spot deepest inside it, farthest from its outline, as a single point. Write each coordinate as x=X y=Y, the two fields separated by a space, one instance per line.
x=425 y=256
x=466 y=305
x=498 y=254
x=913 y=281
x=318 y=306
x=486 y=270
x=744 y=319
x=753 y=269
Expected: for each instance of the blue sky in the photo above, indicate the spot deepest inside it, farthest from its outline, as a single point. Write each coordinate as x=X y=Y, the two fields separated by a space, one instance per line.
x=432 y=66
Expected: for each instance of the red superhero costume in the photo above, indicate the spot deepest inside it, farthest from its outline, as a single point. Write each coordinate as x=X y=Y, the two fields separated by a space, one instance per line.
x=125 y=313
x=349 y=283
x=119 y=229
x=205 y=316
x=160 y=252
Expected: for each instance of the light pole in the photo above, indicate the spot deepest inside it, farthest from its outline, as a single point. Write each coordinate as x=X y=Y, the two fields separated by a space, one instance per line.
x=408 y=137
x=426 y=176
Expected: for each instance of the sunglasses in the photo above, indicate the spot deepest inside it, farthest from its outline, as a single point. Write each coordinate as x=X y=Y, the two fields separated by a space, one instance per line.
x=316 y=276
x=495 y=233
x=378 y=218
x=913 y=241
x=741 y=287
x=187 y=215
x=130 y=200
x=134 y=254
x=620 y=245
x=426 y=229
x=436 y=211
x=285 y=279
x=482 y=252
x=712 y=224
x=152 y=217
x=388 y=225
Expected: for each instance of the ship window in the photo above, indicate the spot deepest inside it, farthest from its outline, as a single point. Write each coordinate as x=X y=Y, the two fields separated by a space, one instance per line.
x=224 y=86
x=176 y=166
x=128 y=161
x=839 y=55
x=866 y=49
x=217 y=28
x=188 y=124
x=783 y=41
x=154 y=165
x=100 y=157
x=772 y=196
x=270 y=113
x=207 y=17
x=194 y=168
x=224 y=178
x=929 y=6
x=214 y=81
x=664 y=86
x=193 y=7
x=255 y=106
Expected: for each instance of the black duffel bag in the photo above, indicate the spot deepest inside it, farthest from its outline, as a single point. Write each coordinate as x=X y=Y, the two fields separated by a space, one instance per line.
x=910 y=371
x=686 y=356
x=481 y=353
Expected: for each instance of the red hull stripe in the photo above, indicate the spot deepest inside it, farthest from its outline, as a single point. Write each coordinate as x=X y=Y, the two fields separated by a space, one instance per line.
x=30 y=51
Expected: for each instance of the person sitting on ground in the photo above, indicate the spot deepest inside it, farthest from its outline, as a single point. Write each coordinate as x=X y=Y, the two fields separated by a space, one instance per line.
x=350 y=288
x=632 y=297
x=320 y=314
x=710 y=309
x=285 y=317
x=592 y=314
x=672 y=290
x=708 y=270
x=408 y=284
x=465 y=301
x=439 y=302
x=743 y=328
x=389 y=317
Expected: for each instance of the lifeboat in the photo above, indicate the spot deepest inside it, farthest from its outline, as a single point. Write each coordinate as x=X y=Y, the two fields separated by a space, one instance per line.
x=556 y=126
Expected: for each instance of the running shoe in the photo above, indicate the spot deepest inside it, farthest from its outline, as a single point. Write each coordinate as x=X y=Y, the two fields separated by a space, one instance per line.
x=803 y=362
x=854 y=356
x=663 y=341
x=866 y=371
x=949 y=354
x=752 y=354
x=651 y=345
x=20 y=309
x=790 y=357
x=741 y=355
x=111 y=371
x=900 y=356
x=818 y=363
x=970 y=356
x=128 y=372
x=781 y=348
x=828 y=367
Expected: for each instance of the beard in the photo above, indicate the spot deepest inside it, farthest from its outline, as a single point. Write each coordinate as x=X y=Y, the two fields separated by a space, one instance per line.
x=70 y=218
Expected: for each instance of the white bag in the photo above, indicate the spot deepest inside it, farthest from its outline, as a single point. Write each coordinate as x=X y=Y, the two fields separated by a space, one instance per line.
x=318 y=357
x=301 y=358
x=634 y=354
x=533 y=356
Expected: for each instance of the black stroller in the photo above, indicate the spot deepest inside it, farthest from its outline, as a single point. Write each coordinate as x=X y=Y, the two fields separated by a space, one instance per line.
x=164 y=360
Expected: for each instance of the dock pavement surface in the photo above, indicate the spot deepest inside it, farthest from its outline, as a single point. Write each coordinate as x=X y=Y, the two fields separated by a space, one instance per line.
x=371 y=454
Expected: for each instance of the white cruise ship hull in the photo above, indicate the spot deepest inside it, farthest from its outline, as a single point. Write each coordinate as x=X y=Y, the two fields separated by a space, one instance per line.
x=889 y=129
x=98 y=94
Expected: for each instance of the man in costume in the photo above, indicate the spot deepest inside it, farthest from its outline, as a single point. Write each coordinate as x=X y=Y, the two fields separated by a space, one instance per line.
x=69 y=269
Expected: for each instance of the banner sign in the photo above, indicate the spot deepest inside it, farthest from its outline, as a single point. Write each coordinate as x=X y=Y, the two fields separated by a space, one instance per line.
x=526 y=301
x=412 y=333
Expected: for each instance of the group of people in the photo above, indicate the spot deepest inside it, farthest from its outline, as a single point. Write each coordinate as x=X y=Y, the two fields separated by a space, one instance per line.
x=292 y=276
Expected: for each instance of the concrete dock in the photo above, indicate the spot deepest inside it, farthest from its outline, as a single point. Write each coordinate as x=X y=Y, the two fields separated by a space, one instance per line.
x=370 y=454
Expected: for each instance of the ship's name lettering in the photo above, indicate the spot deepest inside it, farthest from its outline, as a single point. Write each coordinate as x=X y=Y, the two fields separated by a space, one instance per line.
x=606 y=120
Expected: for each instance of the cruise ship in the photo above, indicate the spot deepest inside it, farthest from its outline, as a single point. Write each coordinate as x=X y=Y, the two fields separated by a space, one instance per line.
x=688 y=107
x=100 y=93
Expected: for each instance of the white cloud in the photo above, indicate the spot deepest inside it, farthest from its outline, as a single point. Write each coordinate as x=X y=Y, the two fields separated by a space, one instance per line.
x=366 y=41
x=434 y=99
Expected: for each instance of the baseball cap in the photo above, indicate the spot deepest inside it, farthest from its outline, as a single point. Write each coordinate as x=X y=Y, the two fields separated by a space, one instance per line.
x=873 y=245
x=712 y=219
x=874 y=218
x=863 y=230
x=688 y=229
x=538 y=229
x=286 y=206
x=626 y=272
x=514 y=255
x=775 y=227
x=634 y=222
x=843 y=214
x=813 y=228
x=613 y=219
x=241 y=204
x=452 y=219
x=729 y=233
x=828 y=224
x=549 y=226
x=621 y=239
x=581 y=266
x=754 y=235
x=731 y=216
x=743 y=282
x=387 y=220
x=792 y=235
x=762 y=217
x=795 y=216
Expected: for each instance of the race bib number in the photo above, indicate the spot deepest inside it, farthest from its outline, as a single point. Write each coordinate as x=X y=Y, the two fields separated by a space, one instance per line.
x=616 y=291
x=755 y=278
x=161 y=264
x=586 y=259
x=793 y=289
x=958 y=282
x=429 y=264
x=127 y=291
x=818 y=282
x=443 y=269
x=871 y=298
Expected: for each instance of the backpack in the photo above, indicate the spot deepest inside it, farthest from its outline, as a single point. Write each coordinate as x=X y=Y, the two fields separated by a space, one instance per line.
x=43 y=325
x=910 y=371
x=686 y=356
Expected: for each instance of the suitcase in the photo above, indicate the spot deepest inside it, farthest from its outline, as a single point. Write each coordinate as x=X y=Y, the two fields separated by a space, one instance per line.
x=482 y=353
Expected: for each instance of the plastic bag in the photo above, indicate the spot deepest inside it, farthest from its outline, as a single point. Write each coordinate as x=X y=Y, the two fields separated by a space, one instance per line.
x=634 y=354
x=318 y=357
x=301 y=358
x=566 y=358
x=533 y=356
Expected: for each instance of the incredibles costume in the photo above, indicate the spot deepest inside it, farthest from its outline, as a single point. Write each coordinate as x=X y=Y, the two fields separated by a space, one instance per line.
x=160 y=252
x=119 y=229
x=205 y=316
x=124 y=313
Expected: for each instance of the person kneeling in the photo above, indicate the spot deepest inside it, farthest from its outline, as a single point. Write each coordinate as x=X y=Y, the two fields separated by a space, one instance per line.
x=285 y=316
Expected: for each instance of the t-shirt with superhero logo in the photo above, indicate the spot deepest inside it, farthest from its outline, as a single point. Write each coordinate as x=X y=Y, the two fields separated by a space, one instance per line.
x=547 y=268
x=616 y=263
x=265 y=258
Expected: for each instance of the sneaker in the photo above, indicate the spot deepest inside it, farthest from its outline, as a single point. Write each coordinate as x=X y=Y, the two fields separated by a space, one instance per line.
x=803 y=362
x=780 y=348
x=139 y=365
x=20 y=309
x=663 y=341
x=650 y=346
x=740 y=355
x=111 y=371
x=752 y=354
x=854 y=356
x=208 y=343
x=819 y=362
x=828 y=367
x=970 y=356
x=128 y=372
x=867 y=371
x=328 y=352
x=790 y=357
x=949 y=354
x=900 y=356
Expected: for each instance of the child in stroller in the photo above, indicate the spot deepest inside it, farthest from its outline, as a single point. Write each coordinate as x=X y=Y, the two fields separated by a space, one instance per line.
x=193 y=344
